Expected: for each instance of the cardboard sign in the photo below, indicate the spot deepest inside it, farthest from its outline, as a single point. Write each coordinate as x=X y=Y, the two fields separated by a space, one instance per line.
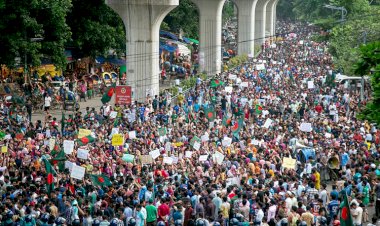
x=4 y=149
x=83 y=133
x=306 y=127
x=168 y=160
x=188 y=154
x=68 y=146
x=146 y=159
x=117 y=140
x=162 y=131
x=218 y=157
x=203 y=158
x=113 y=114
x=132 y=134
x=226 y=142
x=128 y=158
x=289 y=163
x=155 y=153
x=82 y=153
x=77 y=172
x=123 y=95
x=197 y=145
x=267 y=123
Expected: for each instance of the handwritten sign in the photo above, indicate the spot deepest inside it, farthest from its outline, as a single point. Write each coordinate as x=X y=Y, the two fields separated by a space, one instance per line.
x=77 y=172
x=82 y=154
x=83 y=133
x=226 y=142
x=197 y=145
x=218 y=157
x=203 y=158
x=155 y=153
x=306 y=127
x=310 y=84
x=205 y=138
x=69 y=165
x=128 y=158
x=113 y=114
x=132 y=134
x=267 y=123
x=289 y=163
x=188 y=154
x=168 y=160
x=146 y=159
x=51 y=143
x=68 y=146
x=4 y=149
x=162 y=131
x=117 y=140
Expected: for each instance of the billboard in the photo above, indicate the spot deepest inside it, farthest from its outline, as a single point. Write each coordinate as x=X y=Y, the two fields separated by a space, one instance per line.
x=123 y=95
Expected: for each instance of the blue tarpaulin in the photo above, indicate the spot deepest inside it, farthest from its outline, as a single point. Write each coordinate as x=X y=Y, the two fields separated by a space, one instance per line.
x=115 y=61
x=168 y=48
x=168 y=35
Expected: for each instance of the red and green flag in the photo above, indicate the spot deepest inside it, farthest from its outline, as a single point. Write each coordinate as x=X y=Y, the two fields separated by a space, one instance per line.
x=50 y=175
x=216 y=83
x=85 y=140
x=59 y=158
x=345 y=213
x=258 y=108
x=236 y=126
x=107 y=96
x=100 y=180
x=210 y=113
x=226 y=121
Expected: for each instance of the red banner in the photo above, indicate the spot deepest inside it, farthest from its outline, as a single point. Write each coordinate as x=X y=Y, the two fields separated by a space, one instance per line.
x=123 y=95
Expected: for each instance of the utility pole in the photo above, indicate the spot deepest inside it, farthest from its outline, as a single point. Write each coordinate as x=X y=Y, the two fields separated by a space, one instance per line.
x=340 y=8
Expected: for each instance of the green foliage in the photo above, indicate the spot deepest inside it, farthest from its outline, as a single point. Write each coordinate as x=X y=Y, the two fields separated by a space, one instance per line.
x=237 y=60
x=284 y=10
x=370 y=62
x=96 y=28
x=228 y=10
x=23 y=21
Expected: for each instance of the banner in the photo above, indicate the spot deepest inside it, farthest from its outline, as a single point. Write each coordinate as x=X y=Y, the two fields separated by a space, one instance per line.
x=289 y=163
x=83 y=133
x=117 y=140
x=123 y=95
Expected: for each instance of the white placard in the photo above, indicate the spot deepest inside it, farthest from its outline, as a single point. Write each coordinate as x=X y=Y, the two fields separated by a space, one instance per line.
x=68 y=146
x=188 y=154
x=51 y=143
x=114 y=131
x=132 y=134
x=306 y=127
x=168 y=146
x=155 y=153
x=255 y=142
x=77 y=172
x=113 y=114
x=267 y=123
x=82 y=153
x=168 y=160
x=175 y=159
x=197 y=145
x=205 y=138
x=232 y=76
x=203 y=158
x=226 y=142
x=260 y=67
x=328 y=135
x=69 y=165
x=310 y=84
x=219 y=157
x=228 y=89
x=244 y=84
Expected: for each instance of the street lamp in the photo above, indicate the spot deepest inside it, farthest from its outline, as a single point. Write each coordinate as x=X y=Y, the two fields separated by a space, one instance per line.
x=341 y=8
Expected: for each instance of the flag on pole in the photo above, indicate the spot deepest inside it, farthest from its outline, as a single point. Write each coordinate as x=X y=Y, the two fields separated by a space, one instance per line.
x=107 y=96
x=59 y=159
x=210 y=113
x=345 y=213
x=85 y=140
x=258 y=109
x=226 y=121
x=215 y=83
x=50 y=175
x=237 y=125
x=100 y=180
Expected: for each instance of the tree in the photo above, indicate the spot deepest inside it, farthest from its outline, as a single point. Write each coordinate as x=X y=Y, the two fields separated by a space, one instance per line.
x=96 y=28
x=24 y=21
x=370 y=62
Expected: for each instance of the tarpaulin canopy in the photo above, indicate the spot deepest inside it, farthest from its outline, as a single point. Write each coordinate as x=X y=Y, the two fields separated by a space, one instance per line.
x=169 y=35
x=168 y=48
x=192 y=40
x=115 y=61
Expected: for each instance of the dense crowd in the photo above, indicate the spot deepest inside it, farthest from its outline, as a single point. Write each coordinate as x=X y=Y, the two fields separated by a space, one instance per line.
x=272 y=142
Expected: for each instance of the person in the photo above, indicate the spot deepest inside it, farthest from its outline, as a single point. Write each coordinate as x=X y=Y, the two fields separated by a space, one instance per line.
x=356 y=213
x=47 y=102
x=308 y=217
x=151 y=219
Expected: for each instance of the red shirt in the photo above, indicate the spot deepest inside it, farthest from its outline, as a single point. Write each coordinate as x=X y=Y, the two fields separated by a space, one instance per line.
x=318 y=108
x=163 y=210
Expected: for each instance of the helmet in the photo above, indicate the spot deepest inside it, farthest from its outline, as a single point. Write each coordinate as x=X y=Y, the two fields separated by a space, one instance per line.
x=200 y=222
x=160 y=223
x=96 y=222
x=60 y=221
x=216 y=223
x=76 y=222
x=303 y=223
x=234 y=222
x=132 y=222
x=9 y=214
x=178 y=222
x=28 y=218
x=45 y=217
x=115 y=222
x=323 y=221
x=284 y=222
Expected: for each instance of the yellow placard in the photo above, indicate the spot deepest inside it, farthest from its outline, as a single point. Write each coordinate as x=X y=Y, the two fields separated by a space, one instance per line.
x=4 y=149
x=83 y=133
x=117 y=140
x=289 y=163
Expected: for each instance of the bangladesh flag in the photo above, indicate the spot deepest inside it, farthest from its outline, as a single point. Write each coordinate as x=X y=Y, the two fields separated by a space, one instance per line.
x=210 y=113
x=238 y=124
x=226 y=121
x=107 y=96
x=85 y=140
x=59 y=159
x=259 y=109
x=345 y=213
x=50 y=178
x=216 y=83
x=100 y=180
x=162 y=131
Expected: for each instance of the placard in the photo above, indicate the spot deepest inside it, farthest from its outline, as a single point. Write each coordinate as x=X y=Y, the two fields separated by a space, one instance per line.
x=168 y=160
x=228 y=89
x=69 y=165
x=218 y=157
x=4 y=149
x=255 y=142
x=267 y=123
x=162 y=131
x=123 y=95
x=117 y=140
x=232 y=76
x=244 y=84
x=306 y=127
x=68 y=146
x=188 y=154
x=194 y=139
x=77 y=172
x=113 y=114
x=132 y=134
x=203 y=158
x=128 y=158
x=83 y=133
x=82 y=153
x=226 y=142
x=289 y=163
x=51 y=143
x=260 y=67
x=197 y=145
x=146 y=159
x=205 y=138
x=310 y=84
x=155 y=153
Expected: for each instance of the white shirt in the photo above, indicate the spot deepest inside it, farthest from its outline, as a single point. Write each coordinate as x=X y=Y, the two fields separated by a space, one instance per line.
x=47 y=101
x=358 y=212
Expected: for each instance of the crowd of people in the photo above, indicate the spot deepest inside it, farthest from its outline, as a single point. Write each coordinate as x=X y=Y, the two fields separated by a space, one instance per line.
x=232 y=151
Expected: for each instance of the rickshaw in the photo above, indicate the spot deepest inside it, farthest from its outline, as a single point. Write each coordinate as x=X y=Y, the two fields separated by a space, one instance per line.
x=90 y=85
x=114 y=77
x=107 y=78
x=71 y=100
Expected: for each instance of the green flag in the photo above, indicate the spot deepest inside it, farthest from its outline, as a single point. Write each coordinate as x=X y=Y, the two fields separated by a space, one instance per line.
x=226 y=121
x=236 y=127
x=100 y=180
x=162 y=131
x=59 y=159
x=345 y=213
x=258 y=109
x=85 y=140
x=50 y=178
x=210 y=113
x=215 y=83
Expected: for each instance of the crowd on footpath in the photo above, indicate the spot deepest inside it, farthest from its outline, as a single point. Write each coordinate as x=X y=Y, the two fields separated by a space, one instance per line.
x=274 y=142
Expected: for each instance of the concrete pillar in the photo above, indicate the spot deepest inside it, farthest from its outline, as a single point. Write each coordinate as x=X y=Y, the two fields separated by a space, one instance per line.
x=275 y=17
x=246 y=26
x=260 y=18
x=142 y=19
x=210 y=33
x=270 y=17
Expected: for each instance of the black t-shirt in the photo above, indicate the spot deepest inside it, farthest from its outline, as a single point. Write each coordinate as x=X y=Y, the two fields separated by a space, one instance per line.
x=224 y=103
